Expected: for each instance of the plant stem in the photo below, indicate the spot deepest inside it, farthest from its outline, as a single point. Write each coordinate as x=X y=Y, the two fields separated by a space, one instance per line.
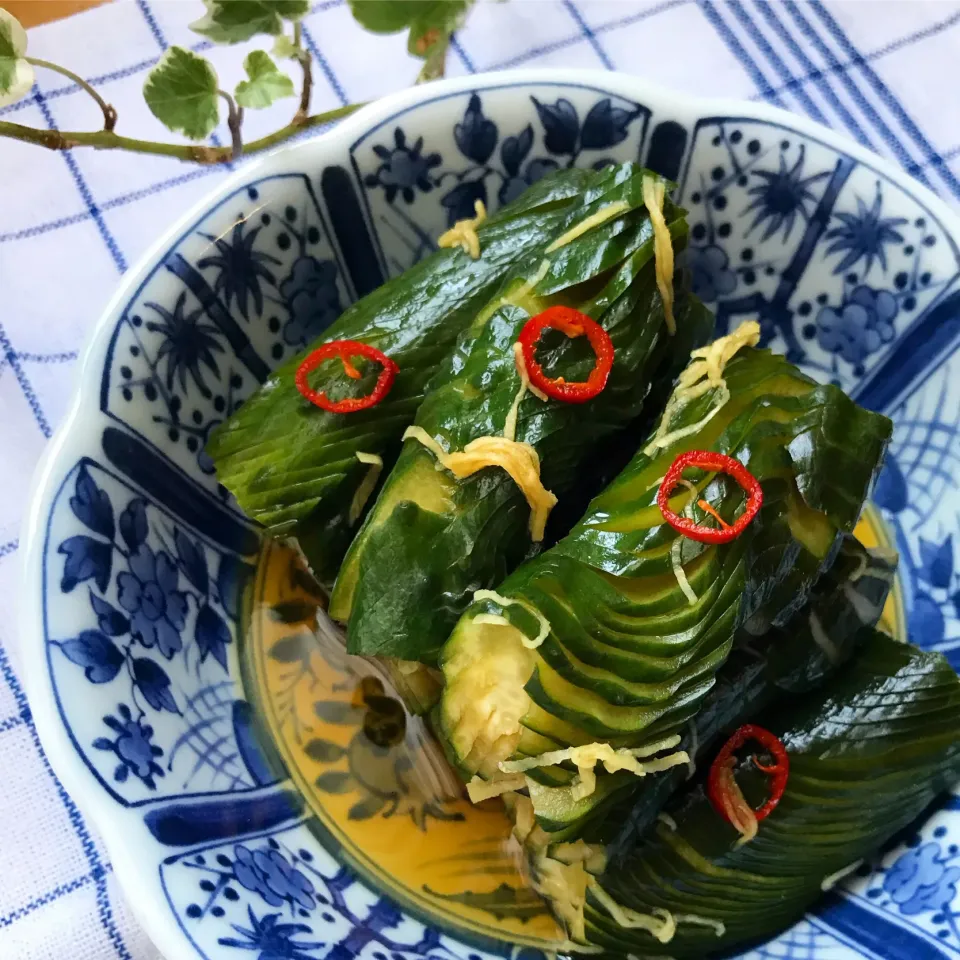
x=435 y=65
x=109 y=113
x=234 y=123
x=108 y=140
x=303 y=111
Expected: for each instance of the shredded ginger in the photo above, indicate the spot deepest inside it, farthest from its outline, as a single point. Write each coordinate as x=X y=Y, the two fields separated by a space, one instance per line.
x=676 y=548
x=586 y=758
x=604 y=214
x=592 y=856
x=519 y=460
x=369 y=481
x=564 y=887
x=830 y=881
x=479 y=790
x=530 y=284
x=510 y=424
x=719 y=927
x=520 y=809
x=676 y=562
x=463 y=233
x=654 y=191
x=543 y=632
x=705 y=373
x=660 y=924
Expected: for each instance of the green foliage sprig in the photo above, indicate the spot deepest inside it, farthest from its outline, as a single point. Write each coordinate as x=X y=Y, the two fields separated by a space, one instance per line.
x=183 y=91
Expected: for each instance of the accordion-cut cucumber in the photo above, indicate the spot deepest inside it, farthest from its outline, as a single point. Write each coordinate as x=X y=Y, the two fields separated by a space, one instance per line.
x=627 y=658
x=432 y=540
x=293 y=466
x=868 y=752
x=844 y=606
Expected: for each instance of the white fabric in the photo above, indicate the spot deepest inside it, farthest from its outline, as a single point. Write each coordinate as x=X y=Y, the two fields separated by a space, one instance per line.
x=883 y=72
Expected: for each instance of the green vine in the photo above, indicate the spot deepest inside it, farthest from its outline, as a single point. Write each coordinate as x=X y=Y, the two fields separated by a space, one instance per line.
x=183 y=91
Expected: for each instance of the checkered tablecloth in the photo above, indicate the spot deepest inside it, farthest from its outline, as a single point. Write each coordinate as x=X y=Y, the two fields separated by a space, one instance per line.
x=885 y=72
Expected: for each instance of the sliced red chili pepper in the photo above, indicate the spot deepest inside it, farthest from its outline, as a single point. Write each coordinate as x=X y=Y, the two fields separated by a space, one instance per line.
x=718 y=463
x=345 y=349
x=574 y=324
x=720 y=783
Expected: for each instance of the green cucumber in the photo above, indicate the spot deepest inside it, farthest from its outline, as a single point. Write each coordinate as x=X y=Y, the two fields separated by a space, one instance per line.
x=292 y=466
x=428 y=544
x=868 y=753
x=843 y=607
x=628 y=659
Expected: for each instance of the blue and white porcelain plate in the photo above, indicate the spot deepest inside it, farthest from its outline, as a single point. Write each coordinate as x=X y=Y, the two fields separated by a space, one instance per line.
x=138 y=564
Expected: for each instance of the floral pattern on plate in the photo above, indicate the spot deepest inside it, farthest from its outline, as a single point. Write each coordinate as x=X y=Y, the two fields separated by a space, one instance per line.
x=834 y=262
x=244 y=288
x=281 y=897
x=156 y=608
x=415 y=188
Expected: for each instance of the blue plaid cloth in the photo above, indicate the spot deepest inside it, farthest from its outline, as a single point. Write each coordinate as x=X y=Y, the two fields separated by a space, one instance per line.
x=884 y=73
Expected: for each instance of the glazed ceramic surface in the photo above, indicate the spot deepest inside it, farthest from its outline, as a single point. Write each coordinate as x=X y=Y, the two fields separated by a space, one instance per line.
x=261 y=795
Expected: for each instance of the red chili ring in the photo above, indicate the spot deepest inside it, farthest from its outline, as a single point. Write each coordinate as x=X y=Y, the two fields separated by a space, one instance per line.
x=720 y=463
x=574 y=324
x=344 y=349
x=779 y=771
